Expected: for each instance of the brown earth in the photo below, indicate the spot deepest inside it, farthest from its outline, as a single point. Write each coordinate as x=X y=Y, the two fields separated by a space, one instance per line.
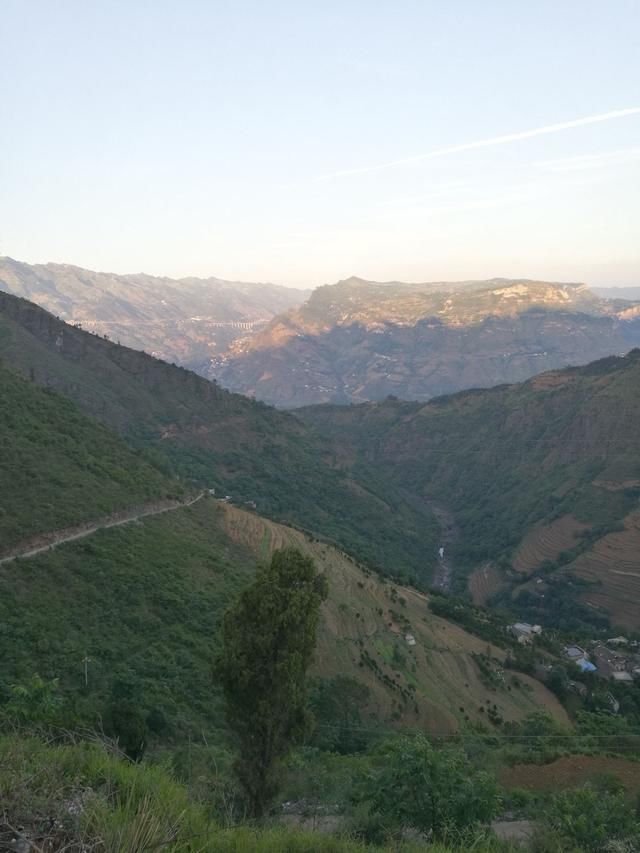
x=547 y=543
x=614 y=564
x=484 y=582
x=571 y=772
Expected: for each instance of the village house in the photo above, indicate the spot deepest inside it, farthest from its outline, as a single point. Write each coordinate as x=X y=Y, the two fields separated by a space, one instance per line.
x=524 y=632
x=622 y=677
x=578 y=655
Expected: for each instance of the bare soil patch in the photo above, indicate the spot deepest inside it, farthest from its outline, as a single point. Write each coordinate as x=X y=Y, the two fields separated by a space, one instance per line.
x=484 y=582
x=571 y=771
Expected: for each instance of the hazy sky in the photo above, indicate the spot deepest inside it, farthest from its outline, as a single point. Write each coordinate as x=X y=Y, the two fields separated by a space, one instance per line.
x=283 y=141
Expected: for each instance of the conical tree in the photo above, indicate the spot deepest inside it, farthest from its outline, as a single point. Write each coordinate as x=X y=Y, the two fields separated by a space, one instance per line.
x=269 y=638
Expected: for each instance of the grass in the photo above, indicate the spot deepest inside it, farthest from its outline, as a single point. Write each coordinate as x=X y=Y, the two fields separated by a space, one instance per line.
x=144 y=602
x=59 y=468
x=67 y=796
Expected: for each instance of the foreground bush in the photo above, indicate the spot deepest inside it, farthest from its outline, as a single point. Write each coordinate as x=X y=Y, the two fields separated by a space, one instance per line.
x=80 y=797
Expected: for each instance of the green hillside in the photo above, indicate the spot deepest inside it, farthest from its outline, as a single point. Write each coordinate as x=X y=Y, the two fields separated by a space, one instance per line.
x=509 y=459
x=217 y=439
x=144 y=603
x=59 y=468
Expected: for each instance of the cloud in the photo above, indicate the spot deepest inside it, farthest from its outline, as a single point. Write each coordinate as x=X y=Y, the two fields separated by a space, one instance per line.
x=482 y=143
x=583 y=162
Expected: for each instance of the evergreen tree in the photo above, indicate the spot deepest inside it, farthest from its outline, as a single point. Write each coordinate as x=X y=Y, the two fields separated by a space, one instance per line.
x=269 y=638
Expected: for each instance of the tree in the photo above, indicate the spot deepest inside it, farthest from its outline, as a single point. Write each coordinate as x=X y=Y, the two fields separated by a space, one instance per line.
x=36 y=703
x=434 y=791
x=126 y=721
x=336 y=703
x=269 y=638
x=558 y=681
x=589 y=818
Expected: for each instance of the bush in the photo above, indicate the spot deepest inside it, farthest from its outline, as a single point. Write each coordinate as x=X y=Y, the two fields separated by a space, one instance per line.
x=437 y=792
x=590 y=818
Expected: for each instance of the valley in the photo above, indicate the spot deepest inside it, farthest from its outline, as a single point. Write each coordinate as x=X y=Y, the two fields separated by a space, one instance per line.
x=200 y=435
x=144 y=497
x=547 y=490
x=96 y=584
x=319 y=427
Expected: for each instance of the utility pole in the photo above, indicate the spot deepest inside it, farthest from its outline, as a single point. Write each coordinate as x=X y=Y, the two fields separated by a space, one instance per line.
x=86 y=661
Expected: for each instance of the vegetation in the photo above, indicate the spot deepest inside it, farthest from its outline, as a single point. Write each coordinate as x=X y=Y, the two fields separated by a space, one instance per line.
x=60 y=468
x=507 y=459
x=210 y=437
x=268 y=640
x=434 y=791
x=588 y=819
x=138 y=611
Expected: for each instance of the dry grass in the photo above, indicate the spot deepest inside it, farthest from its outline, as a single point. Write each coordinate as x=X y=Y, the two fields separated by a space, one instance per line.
x=366 y=615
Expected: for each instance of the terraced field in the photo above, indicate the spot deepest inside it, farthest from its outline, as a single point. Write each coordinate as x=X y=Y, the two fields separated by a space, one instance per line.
x=447 y=677
x=614 y=565
x=484 y=582
x=547 y=543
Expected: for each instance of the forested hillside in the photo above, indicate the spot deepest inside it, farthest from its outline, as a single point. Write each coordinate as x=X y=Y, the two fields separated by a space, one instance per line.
x=214 y=439
x=60 y=468
x=563 y=445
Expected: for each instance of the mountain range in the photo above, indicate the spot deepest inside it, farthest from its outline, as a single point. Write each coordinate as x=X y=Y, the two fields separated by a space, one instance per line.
x=530 y=485
x=360 y=340
x=117 y=563
x=187 y=321
x=352 y=341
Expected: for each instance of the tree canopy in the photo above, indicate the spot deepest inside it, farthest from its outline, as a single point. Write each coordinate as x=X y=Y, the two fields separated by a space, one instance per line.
x=269 y=638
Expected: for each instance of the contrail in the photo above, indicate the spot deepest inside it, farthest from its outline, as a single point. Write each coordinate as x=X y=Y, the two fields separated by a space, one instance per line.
x=483 y=143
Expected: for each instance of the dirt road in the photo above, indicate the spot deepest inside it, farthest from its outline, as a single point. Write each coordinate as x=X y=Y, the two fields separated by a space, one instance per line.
x=46 y=541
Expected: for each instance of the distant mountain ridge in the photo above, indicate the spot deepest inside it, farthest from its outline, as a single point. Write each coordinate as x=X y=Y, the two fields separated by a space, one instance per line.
x=359 y=340
x=632 y=293
x=186 y=320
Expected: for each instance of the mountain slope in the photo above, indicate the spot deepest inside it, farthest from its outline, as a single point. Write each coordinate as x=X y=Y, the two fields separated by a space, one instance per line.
x=145 y=602
x=556 y=458
x=221 y=440
x=186 y=320
x=58 y=467
x=359 y=340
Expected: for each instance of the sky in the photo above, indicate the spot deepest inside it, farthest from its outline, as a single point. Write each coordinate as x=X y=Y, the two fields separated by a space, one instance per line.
x=305 y=142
